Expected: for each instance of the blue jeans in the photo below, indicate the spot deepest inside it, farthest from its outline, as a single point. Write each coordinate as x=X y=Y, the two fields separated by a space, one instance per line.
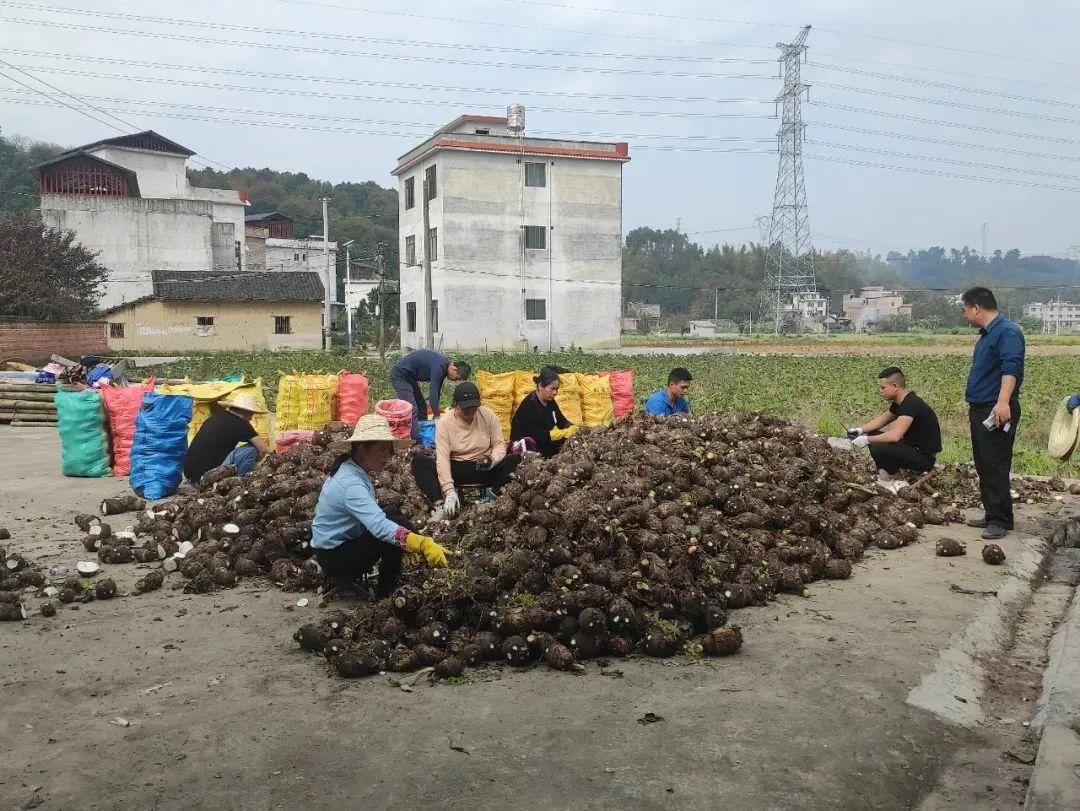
x=243 y=457
x=409 y=390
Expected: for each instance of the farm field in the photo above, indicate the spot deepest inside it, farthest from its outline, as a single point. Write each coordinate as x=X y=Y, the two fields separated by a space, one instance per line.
x=823 y=391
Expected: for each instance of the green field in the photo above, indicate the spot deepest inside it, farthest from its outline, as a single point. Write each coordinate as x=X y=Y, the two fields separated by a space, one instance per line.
x=822 y=392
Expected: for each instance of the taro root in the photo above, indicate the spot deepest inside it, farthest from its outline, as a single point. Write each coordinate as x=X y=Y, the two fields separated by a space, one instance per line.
x=837 y=569
x=151 y=581
x=722 y=641
x=515 y=650
x=436 y=635
x=993 y=554
x=622 y=618
x=99 y=532
x=887 y=540
x=450 y=668
x=122 y=504
x=906 y=533
x=15 y=562
x=586 y=646
x=949 y=547
x=539 y=642
x=10 y=584
x=661 y=643
x=4 y=534
x=67 y=595
x=105 y=589
x=592 y=621
x=116 y=554
x=84 y=521
x=619 y=646
x=9 y=597
x=428 y=655
x=560 y=657
x=48 y=609
x=145 y=554
x=31 y=577
x=402 y=660
x=12 y=612
x=351 y=665
x=490 y=644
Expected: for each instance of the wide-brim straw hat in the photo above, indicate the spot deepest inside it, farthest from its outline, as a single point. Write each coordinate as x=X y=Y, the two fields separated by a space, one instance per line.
x=1064 y=431
x=244 y=402
x=372 y=428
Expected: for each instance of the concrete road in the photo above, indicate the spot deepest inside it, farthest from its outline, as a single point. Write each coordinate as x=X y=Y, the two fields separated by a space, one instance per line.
x=223 y=711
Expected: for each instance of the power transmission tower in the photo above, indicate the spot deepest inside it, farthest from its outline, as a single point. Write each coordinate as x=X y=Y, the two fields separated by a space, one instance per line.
x=763 y=223
x=789 y=265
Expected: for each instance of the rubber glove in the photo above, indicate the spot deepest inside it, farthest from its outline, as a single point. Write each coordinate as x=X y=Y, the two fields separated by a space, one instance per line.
x=852 y=433
x=452 y=504
x=1074 y=403
x=434 y=554
x=862 y=441
x=562 y=433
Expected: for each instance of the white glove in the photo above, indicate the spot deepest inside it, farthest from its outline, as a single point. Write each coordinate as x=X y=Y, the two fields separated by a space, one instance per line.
x=861 y=441
x=452 y=504
x=853 y=432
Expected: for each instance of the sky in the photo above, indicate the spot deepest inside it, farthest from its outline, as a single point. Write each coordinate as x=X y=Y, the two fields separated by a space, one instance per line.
x=925 y=120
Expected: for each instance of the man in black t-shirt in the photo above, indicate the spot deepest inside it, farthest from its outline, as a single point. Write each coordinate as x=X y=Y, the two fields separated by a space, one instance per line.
x=218 y=441
x=912 y=438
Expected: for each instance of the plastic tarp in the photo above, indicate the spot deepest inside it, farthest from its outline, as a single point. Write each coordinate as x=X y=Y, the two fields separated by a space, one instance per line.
x=84 y=440
x=595 y=391
x=306 y=402
x=497 y=393
x=352 y=397
x=122 y=406
x=161 y=442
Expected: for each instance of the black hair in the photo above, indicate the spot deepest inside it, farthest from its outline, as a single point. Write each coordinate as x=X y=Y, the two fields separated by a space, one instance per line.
x=547 y=375
x=463 y=369
x=980 y=297
x=679 y=375
x=893 y=371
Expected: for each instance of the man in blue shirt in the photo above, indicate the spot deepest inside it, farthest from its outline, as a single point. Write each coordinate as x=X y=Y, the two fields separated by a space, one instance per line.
x=993 y=397
x=671 y=400
x=424 y=366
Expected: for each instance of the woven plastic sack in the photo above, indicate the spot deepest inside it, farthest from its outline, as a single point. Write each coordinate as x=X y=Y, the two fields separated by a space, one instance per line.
x=497 y=393
x=622 y=392
x=206 y=395
x=595 y=391
x=426 y=429
x=121 y=407
x=290 y=439
x=157 y=454
x=306 y=402
x=524 y=385
x=569 y=398
x=352 y=397
x=84 y=441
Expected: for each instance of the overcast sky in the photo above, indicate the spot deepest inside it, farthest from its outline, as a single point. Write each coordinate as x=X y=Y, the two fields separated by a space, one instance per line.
x=1015 y=60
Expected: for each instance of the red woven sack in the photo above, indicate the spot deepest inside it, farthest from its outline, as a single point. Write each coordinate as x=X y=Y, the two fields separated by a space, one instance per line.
x=352 y=397
x=121 y=408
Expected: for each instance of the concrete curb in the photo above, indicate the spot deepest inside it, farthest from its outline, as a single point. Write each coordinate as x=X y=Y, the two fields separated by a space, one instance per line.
x=953 y=690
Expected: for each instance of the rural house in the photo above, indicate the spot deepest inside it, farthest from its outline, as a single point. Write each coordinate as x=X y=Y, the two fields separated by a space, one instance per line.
x=524 y=237
x=272 y=245
x=213 y=310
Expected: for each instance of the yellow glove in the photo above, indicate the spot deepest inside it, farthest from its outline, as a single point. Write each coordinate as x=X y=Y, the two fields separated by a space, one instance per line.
x=562 y=433
x=434 y=554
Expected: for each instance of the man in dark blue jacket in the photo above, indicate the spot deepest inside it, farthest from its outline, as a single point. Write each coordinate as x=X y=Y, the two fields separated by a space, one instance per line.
x=993 y=397
x=424 y=366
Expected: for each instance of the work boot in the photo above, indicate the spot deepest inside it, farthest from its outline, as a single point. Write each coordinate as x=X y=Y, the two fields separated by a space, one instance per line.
x=978 y=523
x=993 y=532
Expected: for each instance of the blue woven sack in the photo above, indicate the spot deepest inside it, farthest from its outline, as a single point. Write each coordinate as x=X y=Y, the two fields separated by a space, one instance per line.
x=160 y=445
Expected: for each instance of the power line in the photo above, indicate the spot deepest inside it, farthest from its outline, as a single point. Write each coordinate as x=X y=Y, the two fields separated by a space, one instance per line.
x=395 y=57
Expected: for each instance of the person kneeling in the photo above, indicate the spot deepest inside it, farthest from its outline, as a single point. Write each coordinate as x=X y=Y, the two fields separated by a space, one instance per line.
x=350 y=532
x=912 y=439
x=227 y=438
x=469 y=449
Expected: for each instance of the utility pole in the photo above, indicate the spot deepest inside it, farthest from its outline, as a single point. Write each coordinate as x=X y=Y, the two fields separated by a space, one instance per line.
x=429 y=339
x=327 y=299
x=984 y=232
x=716 y=307
x=348 y=289
x=381 y=306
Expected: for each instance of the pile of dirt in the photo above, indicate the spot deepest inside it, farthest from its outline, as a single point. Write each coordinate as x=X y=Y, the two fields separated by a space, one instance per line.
x=637 y=537
x=959 y=483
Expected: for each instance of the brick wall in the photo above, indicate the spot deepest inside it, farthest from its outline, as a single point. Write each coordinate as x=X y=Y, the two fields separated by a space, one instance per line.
x=34 y=341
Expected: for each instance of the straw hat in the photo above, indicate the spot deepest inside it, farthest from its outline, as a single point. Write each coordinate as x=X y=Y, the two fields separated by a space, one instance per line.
x=244 y=402
x=1064 y=431
x=372 y=428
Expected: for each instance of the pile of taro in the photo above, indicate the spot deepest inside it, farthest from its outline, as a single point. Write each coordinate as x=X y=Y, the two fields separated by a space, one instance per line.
x=640 y=537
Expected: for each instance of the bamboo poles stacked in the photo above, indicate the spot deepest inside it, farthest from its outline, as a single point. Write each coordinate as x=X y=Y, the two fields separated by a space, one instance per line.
x=27 y=404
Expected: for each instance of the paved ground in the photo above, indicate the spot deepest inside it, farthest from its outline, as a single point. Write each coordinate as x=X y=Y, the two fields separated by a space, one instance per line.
x=225 y=712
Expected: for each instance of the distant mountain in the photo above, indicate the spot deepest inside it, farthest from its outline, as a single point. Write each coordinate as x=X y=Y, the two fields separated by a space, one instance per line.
x=956 y=269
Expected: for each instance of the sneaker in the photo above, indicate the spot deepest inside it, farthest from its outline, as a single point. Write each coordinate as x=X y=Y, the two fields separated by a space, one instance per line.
x=993 y=532
x=978 y=523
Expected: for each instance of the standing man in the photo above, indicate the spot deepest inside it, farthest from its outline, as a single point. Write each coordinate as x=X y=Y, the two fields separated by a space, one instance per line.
x=906 y=437
x=993 y=397
x=671 y=400
x=424 y=366
x=227 y=438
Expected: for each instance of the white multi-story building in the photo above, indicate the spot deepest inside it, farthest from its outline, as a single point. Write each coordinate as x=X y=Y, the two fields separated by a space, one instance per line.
x=811 y=306
x=272 y=245
x=129 y=199
x=874 y=306
x=1057 y=316
x=524 y=236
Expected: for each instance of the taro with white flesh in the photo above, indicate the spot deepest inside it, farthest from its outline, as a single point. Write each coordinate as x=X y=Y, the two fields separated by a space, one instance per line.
x=87 y=568
x=12 y=612
x=122 y=504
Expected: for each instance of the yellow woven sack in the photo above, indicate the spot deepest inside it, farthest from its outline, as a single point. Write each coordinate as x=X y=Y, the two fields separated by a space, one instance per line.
x=306 y=402
x=497 y=393
x=206 y=394
x=569 y=398
x=523 y=387
x=595 y=393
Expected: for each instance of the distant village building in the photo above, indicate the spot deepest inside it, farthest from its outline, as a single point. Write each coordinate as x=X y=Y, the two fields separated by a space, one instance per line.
x=810 y=306
x=525 y=237
x=1057 y=316
x=129 y=199
x=216 y=310
x=872 y=308
x=702 y=329
x=362 y=280
x=272 y=245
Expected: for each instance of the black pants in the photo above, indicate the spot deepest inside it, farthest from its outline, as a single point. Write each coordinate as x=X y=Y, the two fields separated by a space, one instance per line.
x=993 y=452
x=407 y=389
x=354 y=558
x=427 y=477
x=892 y=457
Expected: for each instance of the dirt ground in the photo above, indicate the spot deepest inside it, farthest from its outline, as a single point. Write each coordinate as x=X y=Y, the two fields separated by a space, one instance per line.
x=225 y=712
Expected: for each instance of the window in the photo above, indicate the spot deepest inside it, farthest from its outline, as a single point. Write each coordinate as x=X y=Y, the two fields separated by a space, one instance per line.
x=433 y=243
x=239 y=257
x=283 y=325
x=296 y=257
x=410 y=250
x=305 y=257
x=116 y=329
x=204 y=325
x=535 y=237
x=479 y=131
x=536 y=174
x=410 y=316
x=410 y=192
x=434 y=315
x=429 y=181
x=535 y=309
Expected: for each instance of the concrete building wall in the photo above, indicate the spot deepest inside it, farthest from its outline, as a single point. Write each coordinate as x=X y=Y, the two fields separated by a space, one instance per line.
x=169 y=326
x=160 y=174
x=299 y=254
x=479 y=211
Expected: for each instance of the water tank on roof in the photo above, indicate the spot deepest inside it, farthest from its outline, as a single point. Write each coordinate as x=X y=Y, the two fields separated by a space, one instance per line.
x=515 y=119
